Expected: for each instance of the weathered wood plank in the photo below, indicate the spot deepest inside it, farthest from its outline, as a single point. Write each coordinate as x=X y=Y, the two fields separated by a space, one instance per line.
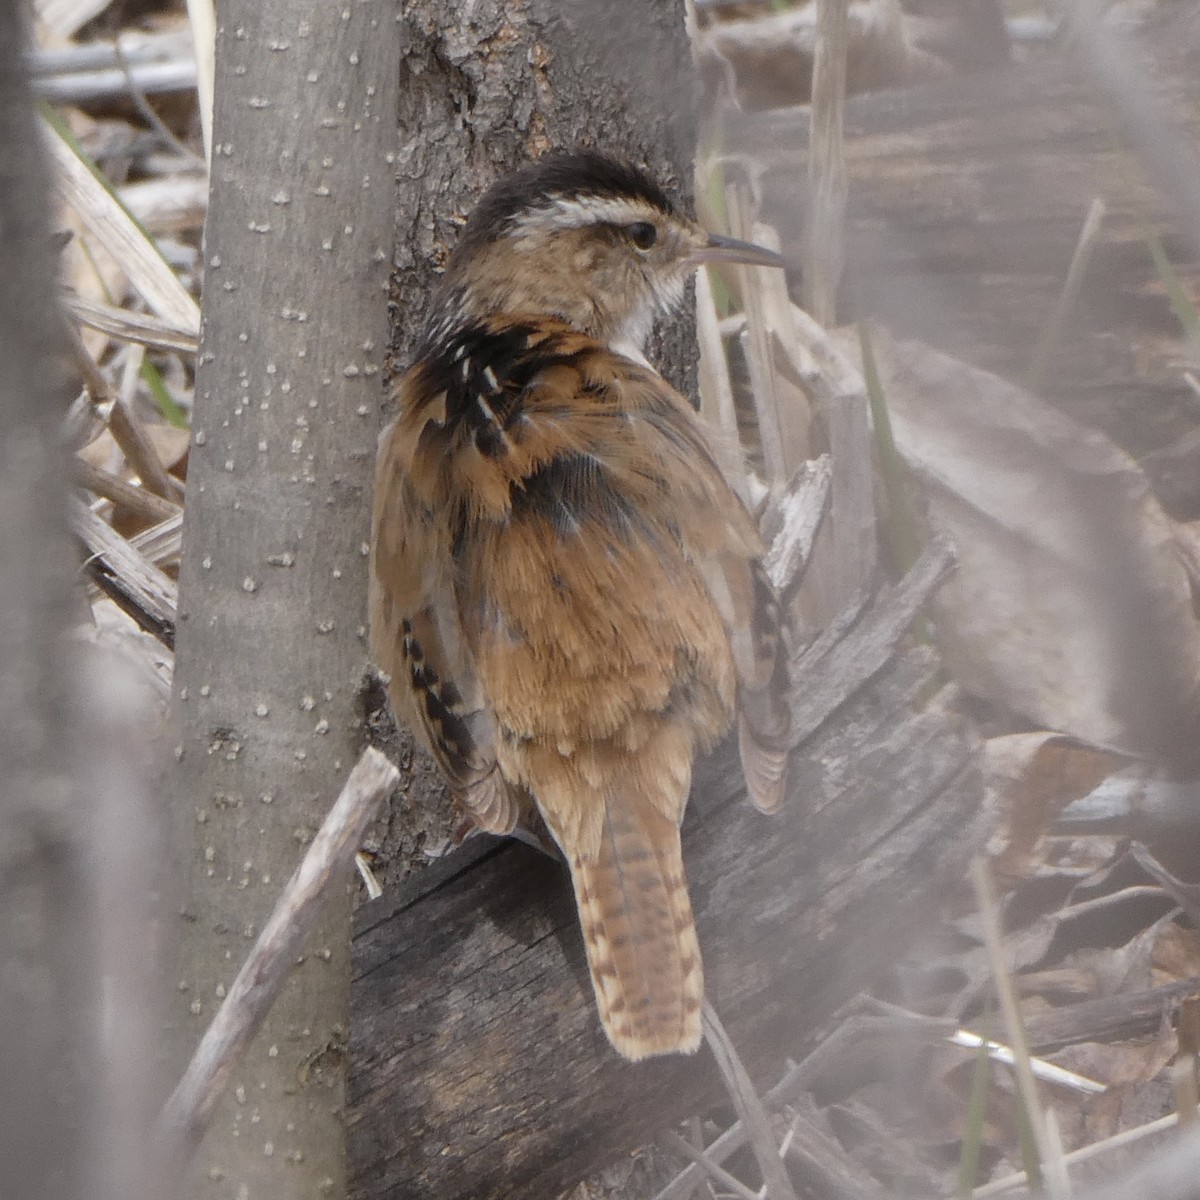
x=478 y=1064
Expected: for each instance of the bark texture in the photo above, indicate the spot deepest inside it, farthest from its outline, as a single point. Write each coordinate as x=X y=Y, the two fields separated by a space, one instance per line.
x=270 y=643
x=47 y=988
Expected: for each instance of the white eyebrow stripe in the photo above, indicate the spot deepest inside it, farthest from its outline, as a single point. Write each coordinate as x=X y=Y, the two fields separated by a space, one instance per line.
x=573 y=212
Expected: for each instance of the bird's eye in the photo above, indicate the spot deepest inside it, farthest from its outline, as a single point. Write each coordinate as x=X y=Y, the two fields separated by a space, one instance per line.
x=642 y=234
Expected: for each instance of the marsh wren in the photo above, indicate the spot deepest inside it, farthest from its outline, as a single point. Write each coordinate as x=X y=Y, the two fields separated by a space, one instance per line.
x=566 y=593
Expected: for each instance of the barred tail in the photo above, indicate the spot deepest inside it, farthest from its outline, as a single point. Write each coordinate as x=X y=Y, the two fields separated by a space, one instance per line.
x=639 y=932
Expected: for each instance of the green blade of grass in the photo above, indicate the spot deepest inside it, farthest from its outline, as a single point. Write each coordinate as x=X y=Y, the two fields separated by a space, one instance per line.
x=1030 y=1159
x=1072 y=288
x=968 y=1159
x=173 y=413
x=1183 y=306
x=901 y=531
x=715 y=210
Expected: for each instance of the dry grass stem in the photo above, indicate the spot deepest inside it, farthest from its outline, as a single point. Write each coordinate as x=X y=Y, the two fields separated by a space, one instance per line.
x=708 y=1167
x=831 y=371
x=847 y=552
x=997 y=1051
x=111 y=225
x=989 y=912
x=716 y=390
x=732 y=1140
x=175 y=204
x=93 y=378
x=771 y=305
x=138 y=502
x=161 y=543
x=88 y=87
x=203 y=20
x=695 y=1131
x=757 y=346
x=1058 y=1184
x=125 y=575
x=1042 y=1069
x=82 y=424
x=273 y=958
x=372 y=885
x=126 y=326
x=63 y=57
x=825 y=1168
x=1126 y=1137
x=826 y=163
x=129 y=434
x=749 y=1107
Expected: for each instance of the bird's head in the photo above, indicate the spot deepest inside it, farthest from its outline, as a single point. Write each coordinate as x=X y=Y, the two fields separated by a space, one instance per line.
x=586 y=239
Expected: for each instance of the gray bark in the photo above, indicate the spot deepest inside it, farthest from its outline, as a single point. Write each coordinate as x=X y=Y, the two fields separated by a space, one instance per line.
x=47 y=988
x=270 y=647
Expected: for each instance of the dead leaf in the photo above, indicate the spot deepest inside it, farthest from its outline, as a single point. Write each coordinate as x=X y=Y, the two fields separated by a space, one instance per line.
x=1070 y=604
x=1116 y=1063
x=1176 y=955
x=1123 y=968
x=1123 y=1107
x=1031 y=777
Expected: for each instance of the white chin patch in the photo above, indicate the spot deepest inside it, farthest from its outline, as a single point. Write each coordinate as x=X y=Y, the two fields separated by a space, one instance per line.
x=669 y=292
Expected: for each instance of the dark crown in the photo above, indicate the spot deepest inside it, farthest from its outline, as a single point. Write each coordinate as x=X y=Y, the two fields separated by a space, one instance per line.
x=571 y=176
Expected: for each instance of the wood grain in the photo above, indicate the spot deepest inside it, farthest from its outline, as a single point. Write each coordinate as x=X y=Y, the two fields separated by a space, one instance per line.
x=478 y=1066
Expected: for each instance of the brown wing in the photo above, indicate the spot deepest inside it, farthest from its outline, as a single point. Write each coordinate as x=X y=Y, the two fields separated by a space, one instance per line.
x=417 y=637
x=753 y=617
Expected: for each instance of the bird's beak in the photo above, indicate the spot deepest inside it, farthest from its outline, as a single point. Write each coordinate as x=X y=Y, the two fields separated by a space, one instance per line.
x=726 y=249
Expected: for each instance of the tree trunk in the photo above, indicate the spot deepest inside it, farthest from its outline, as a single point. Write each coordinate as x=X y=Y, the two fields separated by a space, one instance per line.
x=966 y=201
x=47 y=987
x=270 y=643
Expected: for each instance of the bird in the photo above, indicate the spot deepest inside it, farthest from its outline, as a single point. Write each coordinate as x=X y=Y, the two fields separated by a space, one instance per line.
x=567 y=597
